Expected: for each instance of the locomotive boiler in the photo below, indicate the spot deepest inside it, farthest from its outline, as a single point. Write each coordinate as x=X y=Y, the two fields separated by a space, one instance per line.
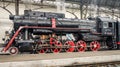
x=44 y=32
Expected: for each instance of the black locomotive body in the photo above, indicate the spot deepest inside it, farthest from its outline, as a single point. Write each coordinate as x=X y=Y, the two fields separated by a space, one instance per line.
x=41 y=32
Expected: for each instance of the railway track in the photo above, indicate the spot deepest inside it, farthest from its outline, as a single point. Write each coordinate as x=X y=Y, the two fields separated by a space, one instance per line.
x=107 y=64
x=27 y=57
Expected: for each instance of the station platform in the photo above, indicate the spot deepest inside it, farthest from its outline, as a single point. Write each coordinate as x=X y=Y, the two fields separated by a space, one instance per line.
x=59 y=59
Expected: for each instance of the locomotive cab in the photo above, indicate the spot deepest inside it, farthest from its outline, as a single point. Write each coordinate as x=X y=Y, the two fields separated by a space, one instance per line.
x=105 y=26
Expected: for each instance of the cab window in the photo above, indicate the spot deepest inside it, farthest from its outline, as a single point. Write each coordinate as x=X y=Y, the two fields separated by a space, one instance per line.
x=110 y=24
x=105 y=24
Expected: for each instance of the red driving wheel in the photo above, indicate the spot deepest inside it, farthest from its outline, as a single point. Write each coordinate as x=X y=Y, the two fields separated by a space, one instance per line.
x=13 y=50
x=57 y=46
x=70 y=46
x=43 y=50
x=81 y=46
x=94 y=45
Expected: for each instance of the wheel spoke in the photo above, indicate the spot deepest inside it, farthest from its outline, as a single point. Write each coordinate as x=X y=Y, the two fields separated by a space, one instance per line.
x=43 y=50
x=13 y=50
x=81 y=46
x=56 y=46
x=94 y=45
x=70 y=47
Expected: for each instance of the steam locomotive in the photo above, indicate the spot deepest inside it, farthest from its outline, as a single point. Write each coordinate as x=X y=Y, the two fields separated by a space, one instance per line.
x=44 y=32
